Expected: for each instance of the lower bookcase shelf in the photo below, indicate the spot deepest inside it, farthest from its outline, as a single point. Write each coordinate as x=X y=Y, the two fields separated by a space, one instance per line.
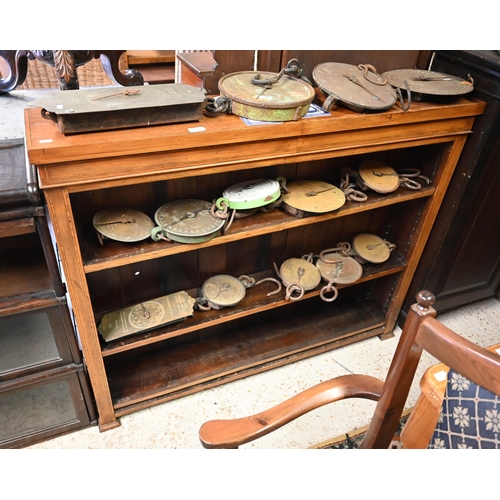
x=255 y=300
x=165 y=371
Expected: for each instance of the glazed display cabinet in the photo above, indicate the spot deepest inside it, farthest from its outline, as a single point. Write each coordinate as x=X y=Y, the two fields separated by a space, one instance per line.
x=44 y=388
x=144 y=168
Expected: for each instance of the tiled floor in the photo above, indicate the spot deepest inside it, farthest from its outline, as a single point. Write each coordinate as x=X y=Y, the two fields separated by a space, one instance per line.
x=174 y=425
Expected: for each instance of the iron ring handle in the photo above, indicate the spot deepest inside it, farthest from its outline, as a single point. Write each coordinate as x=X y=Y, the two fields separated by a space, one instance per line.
x=413 y=172
x=404 y=107
x=294 y=287
x=257 y=80
x=247 y=281
x=282 y=182
x=293 y=67
x=389 y=245
x=157 y=234
x=217 y=104
x=409 y=172
x=201 y=306
x=368 y=67
x=48 y=115
x=343 y=248
x=410 y=184
x=355 y=195
x=329 y=288
x=330 y=101
x=220 y=208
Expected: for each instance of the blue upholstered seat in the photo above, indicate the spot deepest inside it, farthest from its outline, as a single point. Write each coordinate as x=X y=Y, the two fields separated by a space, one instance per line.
x=469 y=418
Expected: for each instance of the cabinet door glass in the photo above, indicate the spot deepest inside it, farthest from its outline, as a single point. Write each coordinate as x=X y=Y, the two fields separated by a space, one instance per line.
x=35 y=409
x=26 y=341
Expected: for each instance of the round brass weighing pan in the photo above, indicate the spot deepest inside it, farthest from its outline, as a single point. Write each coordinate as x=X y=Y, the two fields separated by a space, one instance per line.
x=287 y=99
x=349 y=85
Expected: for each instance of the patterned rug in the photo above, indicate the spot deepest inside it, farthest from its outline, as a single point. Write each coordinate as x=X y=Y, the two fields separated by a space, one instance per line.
x=352 y=439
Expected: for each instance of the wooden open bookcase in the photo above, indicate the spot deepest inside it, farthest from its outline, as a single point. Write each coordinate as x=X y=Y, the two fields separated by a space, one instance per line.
x=144 y=168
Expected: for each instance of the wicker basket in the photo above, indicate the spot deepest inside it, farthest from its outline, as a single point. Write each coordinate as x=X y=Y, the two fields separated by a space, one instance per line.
x=43 y=76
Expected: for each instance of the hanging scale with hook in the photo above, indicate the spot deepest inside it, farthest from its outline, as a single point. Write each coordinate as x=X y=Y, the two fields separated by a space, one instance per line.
x=225 y=290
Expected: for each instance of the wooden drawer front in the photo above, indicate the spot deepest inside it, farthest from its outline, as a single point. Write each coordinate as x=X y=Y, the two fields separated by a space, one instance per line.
x=17 y=227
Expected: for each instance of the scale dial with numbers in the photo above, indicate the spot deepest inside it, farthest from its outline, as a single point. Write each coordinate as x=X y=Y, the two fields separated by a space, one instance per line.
x=122 y=224
x=223 y=290
x=305 y=197
x=341 y=270
x=300 y=271
x=188 y=221
x=252 y=194
x=379 y=176
x=146 y=316
x=372 y=248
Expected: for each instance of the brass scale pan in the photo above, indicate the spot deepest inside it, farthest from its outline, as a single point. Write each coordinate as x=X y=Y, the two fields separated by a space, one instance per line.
x=425 y=85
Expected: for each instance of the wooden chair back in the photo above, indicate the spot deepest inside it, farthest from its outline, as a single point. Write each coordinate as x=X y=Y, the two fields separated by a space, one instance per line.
x=422 y=331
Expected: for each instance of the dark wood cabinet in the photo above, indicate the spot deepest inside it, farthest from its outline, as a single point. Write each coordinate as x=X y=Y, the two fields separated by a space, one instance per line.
x=144 y=168
x=44 y=389
x=461 y=262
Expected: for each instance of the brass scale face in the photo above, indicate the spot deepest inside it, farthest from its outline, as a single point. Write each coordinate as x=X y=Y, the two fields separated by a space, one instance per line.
x=301 y=275
x=339 y=269
x=122 y=224
x=191 y=221
x=223 y=290
x=188 y=221
x=372 y=248
x=184 y=221
x=378 y=176
x=307 y=197
x=146 y=316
